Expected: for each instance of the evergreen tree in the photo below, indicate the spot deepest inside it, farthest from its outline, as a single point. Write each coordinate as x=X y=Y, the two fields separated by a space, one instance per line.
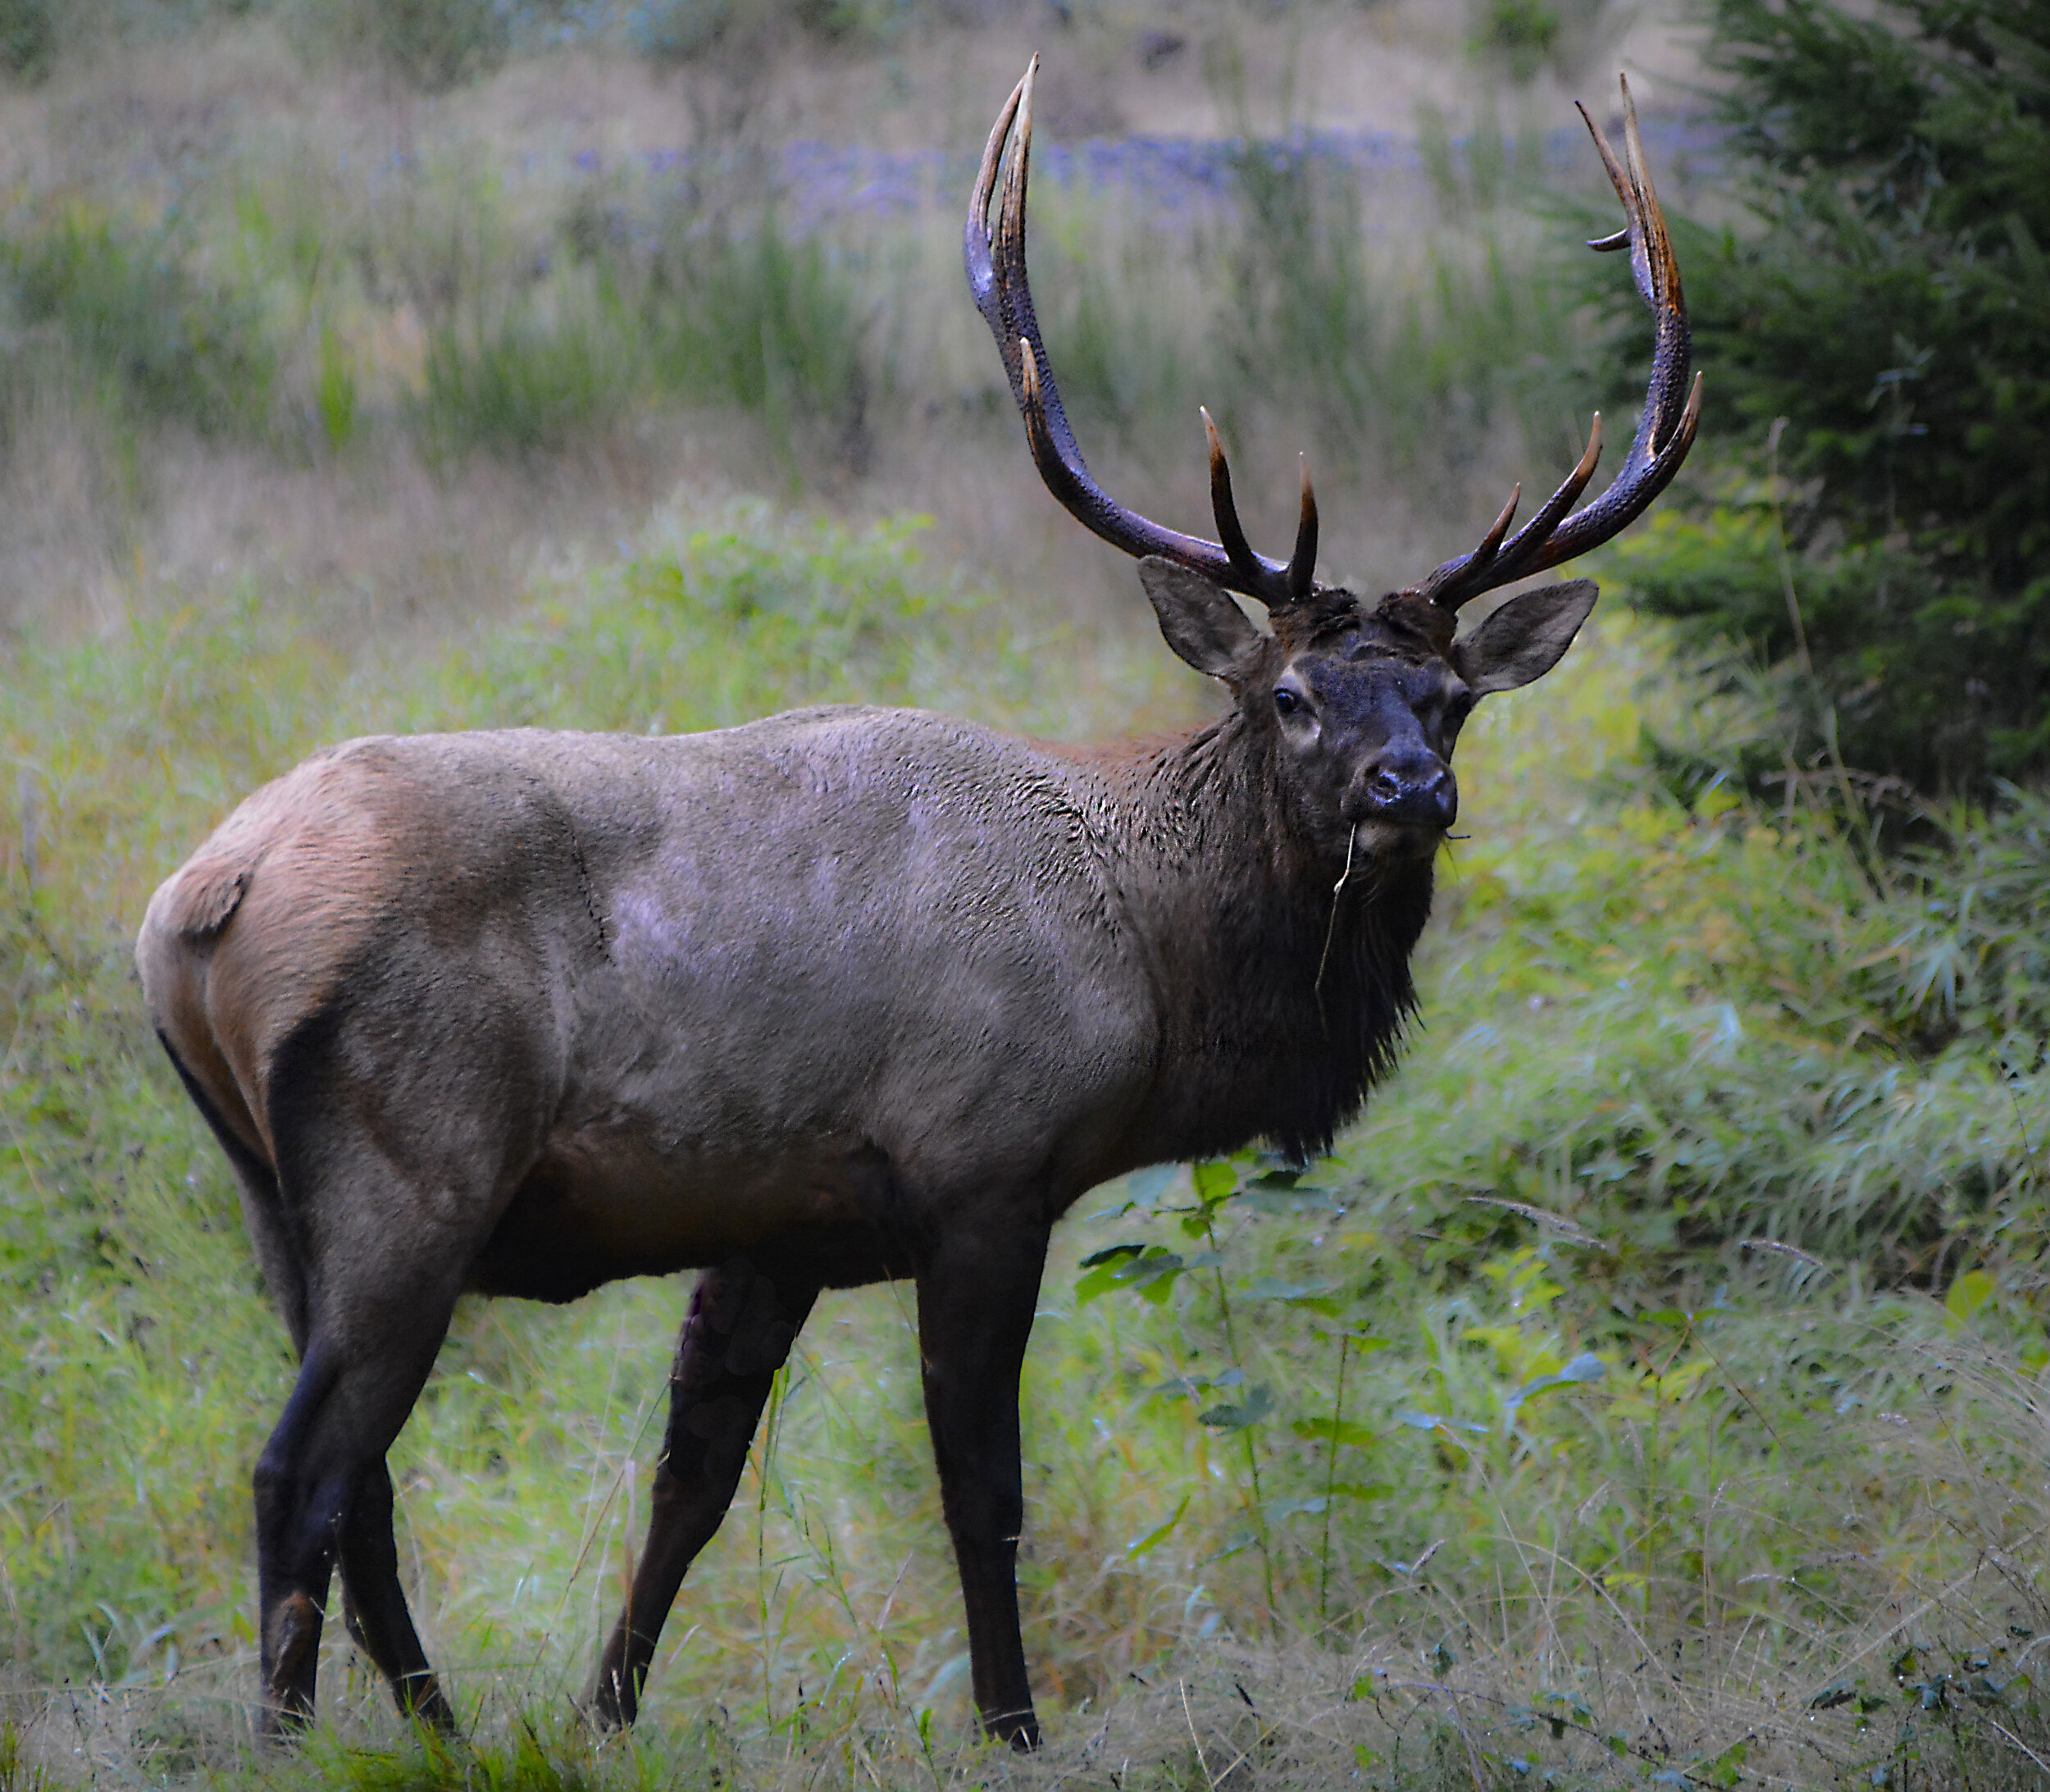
x=1889 y=297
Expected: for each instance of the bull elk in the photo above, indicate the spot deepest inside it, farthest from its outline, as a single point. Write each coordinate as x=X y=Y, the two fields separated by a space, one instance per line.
x=842 y=995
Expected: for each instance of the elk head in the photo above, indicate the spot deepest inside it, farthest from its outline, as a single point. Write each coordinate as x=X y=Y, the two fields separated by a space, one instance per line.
x=1361 y=701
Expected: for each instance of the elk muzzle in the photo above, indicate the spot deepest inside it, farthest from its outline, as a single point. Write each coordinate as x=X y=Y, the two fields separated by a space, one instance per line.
x=1405 y=785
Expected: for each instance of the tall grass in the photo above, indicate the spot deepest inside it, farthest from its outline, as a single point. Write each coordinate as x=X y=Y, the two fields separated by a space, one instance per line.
x=297 y=302
x=134 y=319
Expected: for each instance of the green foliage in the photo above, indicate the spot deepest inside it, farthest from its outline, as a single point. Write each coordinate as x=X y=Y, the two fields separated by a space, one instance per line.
x=133 y=313
x=28 y=37
x=561 y=1758
x=1523 y=37
x=525 y=381
x=1523 y=33
x=750 y=313
x=131 y=1308
x=707 y=308
x=1506 y=1364
x=1889 y=301
x=433 y=44
x=668 y=31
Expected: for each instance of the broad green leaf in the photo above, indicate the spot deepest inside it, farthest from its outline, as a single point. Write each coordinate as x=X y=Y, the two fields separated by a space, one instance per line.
x=1139 y=1546
x=1968 y=1294
x=1258 y=1403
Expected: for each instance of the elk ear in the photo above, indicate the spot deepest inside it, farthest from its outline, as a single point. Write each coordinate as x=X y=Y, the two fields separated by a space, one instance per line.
x=1524 y=639
x=1201 y=622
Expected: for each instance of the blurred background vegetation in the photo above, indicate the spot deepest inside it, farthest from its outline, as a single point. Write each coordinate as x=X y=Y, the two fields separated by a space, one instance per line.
x=1651 y=1389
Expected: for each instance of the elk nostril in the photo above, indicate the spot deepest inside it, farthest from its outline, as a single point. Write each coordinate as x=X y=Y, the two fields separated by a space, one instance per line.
x=1443 y=794
x=1384 y=788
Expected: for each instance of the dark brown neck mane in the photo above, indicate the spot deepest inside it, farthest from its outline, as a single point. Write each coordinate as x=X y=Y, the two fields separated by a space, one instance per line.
x=1283 y=992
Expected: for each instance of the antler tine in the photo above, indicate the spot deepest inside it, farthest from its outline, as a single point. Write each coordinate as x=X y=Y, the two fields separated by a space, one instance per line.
x=1665 y=431
x=1485 y=567
x=1252 y=573
x=1302 y=563
x=997 y=278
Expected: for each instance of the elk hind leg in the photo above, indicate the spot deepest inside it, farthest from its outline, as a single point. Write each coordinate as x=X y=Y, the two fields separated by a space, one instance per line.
x=742 y=1323
x=374 y=1602
x=322 y=1489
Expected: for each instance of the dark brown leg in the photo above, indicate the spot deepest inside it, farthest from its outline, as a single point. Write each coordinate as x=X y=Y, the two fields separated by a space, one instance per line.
x=743 y=1321
x=975 y=1314
x=374 y=1604
x=321 y=1492
x=295 y=1526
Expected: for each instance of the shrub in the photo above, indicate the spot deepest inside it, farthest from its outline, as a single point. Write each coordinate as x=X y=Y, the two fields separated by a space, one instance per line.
x=433 y=44
x=754 y=314
x=133 y=314
x=1886 y=299
x=28 y=36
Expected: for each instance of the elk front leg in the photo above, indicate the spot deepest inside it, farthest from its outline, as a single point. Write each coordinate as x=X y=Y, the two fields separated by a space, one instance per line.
x=976 y=1299
x=742 y=1323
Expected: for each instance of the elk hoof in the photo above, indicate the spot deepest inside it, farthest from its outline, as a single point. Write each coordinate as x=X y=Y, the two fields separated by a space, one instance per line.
x=1020 y=1729
x=289 y=1639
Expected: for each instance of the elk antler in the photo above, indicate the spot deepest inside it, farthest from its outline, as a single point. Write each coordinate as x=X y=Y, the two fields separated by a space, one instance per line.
x=1665 y=432
x=1004 y=295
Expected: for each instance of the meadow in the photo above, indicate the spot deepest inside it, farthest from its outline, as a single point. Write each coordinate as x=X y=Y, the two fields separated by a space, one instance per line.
x=1647 y=1392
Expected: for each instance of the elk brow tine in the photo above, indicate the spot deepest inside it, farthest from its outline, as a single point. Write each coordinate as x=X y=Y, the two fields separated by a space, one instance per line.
x=1009 y=241
x=1656 y=274
x=1617 y=178
x=1259 y=575
x=1628 y=191
x=1650 y=221
x=1663 y=270
x=1302 y=562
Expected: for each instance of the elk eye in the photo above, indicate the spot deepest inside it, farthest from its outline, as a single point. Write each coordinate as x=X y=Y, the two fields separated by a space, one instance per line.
x=1287 y=702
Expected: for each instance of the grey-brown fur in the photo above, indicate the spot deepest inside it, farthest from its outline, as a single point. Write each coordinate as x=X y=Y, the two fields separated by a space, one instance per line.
x=842 y=994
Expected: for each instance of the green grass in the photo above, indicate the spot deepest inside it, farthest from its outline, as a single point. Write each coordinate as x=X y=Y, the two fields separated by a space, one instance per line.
x=1413 y=1479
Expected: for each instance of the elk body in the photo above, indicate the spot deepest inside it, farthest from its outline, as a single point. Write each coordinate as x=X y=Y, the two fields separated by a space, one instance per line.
x=842 y=995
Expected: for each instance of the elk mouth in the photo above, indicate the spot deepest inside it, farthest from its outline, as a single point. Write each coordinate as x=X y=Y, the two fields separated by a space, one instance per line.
x=1370 y=841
